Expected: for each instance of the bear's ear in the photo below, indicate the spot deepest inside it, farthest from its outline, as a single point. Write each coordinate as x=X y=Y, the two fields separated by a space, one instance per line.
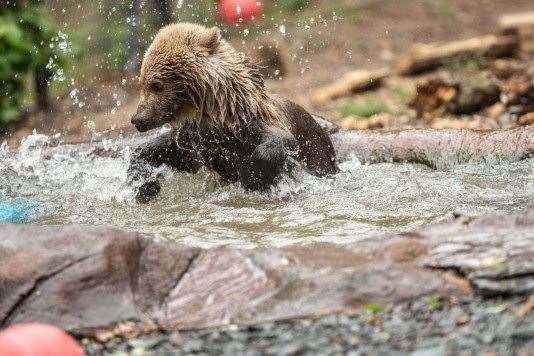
x=212 y=39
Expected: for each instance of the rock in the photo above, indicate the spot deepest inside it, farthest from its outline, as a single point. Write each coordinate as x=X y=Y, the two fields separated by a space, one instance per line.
x=58 y=275
x=81 y=277
x=472 y=98
x=89 y=280
x=495 y=254
x=526 y=308
x=102 y=282
x=290 y=283
x=495 y=111
x=504 y=69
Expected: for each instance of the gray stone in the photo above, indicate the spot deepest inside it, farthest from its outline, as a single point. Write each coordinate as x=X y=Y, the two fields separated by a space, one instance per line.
x=104 y=282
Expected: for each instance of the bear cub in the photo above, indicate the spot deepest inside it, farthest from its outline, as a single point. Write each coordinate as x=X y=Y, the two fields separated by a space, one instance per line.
x=221 y=115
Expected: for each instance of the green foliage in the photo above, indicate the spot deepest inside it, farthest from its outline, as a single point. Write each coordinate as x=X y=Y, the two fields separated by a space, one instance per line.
x=401 y=94
x=435 y=304
x=110 y=28
x=374 y=308
x=15 y=61
x=26 y=37
x=465 y=64
x=110 y=38
x=112 y=43
x=368 y=107
x=294 y=5
x=199 y=11
x=351 y=13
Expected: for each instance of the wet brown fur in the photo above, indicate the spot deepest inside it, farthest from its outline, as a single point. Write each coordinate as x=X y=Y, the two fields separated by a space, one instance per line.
x=225 y=88
x=223 y=116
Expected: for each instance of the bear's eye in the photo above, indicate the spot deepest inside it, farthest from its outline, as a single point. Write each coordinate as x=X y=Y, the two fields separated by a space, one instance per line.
x=156 y=87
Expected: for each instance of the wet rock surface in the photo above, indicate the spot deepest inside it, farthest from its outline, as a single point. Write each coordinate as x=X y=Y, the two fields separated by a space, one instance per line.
x=495 y=259
x=92 y=280
x=427 y=326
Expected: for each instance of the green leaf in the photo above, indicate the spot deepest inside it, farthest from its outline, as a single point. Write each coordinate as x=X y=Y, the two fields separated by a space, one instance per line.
x=26 y=32
x=373 y=307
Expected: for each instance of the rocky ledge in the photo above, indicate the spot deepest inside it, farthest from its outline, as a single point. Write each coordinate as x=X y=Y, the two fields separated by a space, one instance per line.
x=101 y=282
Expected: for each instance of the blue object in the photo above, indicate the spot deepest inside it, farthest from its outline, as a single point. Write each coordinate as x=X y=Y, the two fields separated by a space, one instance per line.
x=17 y=211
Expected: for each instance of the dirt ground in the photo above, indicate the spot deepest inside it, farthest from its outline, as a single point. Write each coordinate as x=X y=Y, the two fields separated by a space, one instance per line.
x=321 y=48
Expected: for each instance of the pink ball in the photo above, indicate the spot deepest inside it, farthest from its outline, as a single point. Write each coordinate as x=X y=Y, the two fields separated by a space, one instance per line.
x=236 y=11
x=34 y=339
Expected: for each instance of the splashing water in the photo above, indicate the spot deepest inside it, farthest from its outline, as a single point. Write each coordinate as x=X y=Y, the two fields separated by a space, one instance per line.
x=78 y=187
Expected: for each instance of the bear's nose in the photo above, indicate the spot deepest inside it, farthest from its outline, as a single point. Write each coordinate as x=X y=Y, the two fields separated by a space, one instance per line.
x=137 y=120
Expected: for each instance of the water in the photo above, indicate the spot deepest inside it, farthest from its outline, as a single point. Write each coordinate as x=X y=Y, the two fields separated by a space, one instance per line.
x=195 y=209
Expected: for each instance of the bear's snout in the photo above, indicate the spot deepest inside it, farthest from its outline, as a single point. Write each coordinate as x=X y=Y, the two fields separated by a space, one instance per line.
x=140 y=122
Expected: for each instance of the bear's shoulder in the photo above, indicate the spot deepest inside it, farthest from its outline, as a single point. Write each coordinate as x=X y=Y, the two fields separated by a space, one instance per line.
x=315 y=146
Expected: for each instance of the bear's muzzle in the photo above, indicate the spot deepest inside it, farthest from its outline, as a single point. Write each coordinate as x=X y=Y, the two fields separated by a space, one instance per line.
x=140 y=122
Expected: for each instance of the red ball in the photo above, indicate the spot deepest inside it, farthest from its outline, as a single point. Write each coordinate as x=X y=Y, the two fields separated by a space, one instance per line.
x=236 y=11
x=34 y=339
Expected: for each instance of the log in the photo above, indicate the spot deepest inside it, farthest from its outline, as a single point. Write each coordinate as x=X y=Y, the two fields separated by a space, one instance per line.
x=379 y=121
x=510 y=23
x=526 y=39
x=520 y=25
x=351 y=82
x=438 y=149
x=422 y=57
x=527 y=119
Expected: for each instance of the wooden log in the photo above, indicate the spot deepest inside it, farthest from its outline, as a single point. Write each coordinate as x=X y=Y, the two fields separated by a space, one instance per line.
x=439 y=149
x=351 y=82
x=520 y=25
x=379 y=121
x=510 y=23
x=423 y=57
x=526 y=39
x=527 y=119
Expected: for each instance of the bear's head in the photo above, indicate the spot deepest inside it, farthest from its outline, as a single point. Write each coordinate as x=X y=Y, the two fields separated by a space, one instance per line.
x=177 y=68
